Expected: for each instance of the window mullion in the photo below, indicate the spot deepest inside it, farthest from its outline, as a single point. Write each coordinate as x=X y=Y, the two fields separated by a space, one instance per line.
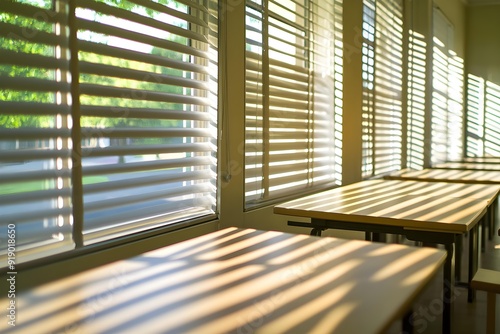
x=310 y=99
x=265 y=100
x=76 y=138
x=63 y=99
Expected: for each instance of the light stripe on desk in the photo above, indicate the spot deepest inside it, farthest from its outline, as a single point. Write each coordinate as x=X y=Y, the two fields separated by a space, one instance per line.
x=398 y=203
x=237 y=281
x=448 y=175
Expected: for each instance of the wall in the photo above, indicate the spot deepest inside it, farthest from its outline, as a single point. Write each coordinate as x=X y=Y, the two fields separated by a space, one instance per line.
x=483 y=42
x=455 y=12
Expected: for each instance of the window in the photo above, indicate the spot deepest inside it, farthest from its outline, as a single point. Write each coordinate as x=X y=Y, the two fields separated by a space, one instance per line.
x=416 y=100
x=382 y=86
x=293 y=105
x=447 y=93
x=483 y=117
x=108 y=117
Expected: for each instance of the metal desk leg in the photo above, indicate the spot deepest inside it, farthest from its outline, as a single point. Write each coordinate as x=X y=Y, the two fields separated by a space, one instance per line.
x=491 y=223
x=448 y=290
x=485 y=222
x=473 y=259
x=459 y=239
x=408 y=323
x=316 y=232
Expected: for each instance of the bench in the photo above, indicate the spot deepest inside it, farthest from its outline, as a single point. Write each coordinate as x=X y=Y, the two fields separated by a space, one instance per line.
x=489 y=281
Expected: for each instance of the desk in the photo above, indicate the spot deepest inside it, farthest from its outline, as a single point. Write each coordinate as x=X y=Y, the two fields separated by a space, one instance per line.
x=447 y=175
x=490 y=160
x=238 y=281
x=469 y=166
x=451 y=175
x=372 y=206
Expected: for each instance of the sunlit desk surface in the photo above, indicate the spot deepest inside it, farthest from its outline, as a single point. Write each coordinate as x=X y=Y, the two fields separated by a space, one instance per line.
x=399 y=207
x=492 y=160
x=238 y=281
x=447 y=175
x=472 y=176
x=483 y=166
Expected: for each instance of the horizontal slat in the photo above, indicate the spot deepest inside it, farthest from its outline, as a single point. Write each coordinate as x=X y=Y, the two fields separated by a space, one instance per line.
x=31 y=215
x=277 y=135
x=159 y=179
x=32 y=174
x=139 y=94
x=33 y=108
x=32 y=196
x=147 y=166
x=34 y=133
x=278 y=147
x=153 y=195
x=292 y=158
x=147 y=132
x=32 y=84
x=150 y=149
x=144 y=113
x=142 y=76
x=34 y=154
x=289 y=103
x=32 y=60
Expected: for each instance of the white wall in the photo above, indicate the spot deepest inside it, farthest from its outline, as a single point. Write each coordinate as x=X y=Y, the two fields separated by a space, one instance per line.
x=483 y=42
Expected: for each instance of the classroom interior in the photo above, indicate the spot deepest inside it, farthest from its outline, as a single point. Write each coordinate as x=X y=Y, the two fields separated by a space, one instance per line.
x=470 y=44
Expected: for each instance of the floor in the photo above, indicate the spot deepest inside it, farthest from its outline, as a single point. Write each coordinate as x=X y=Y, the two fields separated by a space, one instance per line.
x=468 y=318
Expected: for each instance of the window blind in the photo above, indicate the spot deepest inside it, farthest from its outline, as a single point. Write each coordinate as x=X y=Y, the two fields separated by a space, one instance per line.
x=483 y=117
x=382 y=87
x=475 y=116
x=35 y=139
x=447 y=93
x=417 y=61
x=492 y=119
x=109 y=117
x=293 y=103
x=368 y=72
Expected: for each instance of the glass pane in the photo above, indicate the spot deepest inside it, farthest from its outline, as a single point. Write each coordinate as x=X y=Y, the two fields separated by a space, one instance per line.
x=35 y=185
x=147 y=118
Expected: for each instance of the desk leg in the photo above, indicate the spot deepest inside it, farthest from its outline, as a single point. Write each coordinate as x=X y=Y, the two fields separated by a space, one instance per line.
x=485 y=222
x=473 y=260
x=448 y=286
x=459 y=239
x=379 y=237
x=316 y=232
x=493 y=215
x=407 y=322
